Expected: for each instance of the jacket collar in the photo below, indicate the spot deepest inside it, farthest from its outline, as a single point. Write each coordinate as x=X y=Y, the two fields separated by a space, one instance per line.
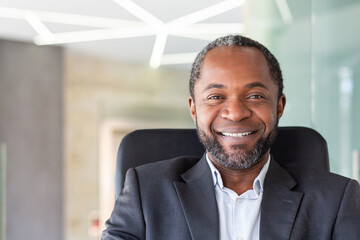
x=279 y=205
x=197 y=197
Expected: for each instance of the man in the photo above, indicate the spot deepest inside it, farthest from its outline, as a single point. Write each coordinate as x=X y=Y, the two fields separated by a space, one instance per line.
x=236 y=190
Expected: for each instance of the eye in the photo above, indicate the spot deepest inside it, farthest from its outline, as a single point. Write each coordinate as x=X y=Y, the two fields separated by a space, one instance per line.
x=215 y=97
x=256 y=96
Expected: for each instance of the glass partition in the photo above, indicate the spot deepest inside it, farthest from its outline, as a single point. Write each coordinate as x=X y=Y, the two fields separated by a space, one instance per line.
x=335 y=76
x=317 y=44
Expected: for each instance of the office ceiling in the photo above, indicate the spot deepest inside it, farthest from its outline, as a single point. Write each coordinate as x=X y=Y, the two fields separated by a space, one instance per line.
x=139 y=31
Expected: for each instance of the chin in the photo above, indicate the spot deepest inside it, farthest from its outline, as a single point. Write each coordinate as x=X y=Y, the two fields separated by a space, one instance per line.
x=239 y=156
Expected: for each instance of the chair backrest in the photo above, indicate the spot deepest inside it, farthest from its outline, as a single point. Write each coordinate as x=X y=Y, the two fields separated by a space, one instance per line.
x=294 y=146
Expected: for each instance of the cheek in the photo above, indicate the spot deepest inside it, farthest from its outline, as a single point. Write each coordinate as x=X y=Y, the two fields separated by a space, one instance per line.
x=206 y=116
x=269 y=118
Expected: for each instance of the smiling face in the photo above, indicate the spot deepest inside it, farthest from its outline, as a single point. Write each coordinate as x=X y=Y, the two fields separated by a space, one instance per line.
x=236 y=107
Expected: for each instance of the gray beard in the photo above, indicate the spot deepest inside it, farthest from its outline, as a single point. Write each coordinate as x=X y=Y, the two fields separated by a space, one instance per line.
x=241 y=159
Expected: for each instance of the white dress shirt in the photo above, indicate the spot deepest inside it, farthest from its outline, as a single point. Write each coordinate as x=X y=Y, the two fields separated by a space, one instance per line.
x=239 y=215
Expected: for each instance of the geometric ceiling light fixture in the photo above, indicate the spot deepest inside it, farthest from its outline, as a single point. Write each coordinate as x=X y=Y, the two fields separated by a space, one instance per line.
x=178 y=27
x=153 y=22
x=187 y=26
x=95 y=35
x=39 y=26
x=284 y=11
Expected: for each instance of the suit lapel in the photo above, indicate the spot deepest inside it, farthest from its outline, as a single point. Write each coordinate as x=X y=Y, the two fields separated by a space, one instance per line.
x=279 y=205
x=198 y=201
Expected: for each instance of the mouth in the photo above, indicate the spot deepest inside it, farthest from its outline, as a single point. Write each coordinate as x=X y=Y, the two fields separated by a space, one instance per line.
x=237 y=135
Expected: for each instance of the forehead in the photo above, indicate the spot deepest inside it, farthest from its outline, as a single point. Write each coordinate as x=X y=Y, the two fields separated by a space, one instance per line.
x=234 y=56
x=234 y=65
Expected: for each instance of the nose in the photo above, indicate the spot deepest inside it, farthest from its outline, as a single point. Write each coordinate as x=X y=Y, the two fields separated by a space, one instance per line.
x=235 y=110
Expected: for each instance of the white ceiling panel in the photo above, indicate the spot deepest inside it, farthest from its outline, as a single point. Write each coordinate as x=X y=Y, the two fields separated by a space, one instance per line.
x=106 y=29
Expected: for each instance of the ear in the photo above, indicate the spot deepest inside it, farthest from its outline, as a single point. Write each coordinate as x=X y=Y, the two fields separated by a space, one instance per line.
x=281 y=106
x=192 y=109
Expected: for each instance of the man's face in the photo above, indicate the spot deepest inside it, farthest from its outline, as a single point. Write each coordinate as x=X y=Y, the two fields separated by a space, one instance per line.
x=236 y=107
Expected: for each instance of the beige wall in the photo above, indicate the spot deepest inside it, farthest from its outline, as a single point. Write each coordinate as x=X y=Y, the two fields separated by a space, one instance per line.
x=98 y=91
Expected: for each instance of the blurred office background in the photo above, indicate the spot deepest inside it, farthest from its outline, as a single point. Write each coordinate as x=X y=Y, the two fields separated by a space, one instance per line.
x=76 y=76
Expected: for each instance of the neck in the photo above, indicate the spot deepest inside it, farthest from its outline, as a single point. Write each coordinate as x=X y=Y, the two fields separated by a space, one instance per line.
x=240 y=180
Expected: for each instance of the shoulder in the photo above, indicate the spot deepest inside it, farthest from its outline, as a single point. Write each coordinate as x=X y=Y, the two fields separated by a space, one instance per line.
x=315 y=177
x=325 y=193
x=307 y=179
x=170 y=169
x=324 y=183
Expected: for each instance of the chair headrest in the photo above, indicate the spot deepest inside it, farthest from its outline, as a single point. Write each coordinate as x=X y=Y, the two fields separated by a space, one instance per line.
x=294 y=146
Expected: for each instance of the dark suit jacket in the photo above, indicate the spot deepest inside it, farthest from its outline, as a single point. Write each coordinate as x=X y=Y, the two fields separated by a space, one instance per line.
x=175 y=200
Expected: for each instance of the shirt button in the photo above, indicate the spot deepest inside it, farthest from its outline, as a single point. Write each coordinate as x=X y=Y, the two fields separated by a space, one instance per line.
x=239 y=238
x=238 y=200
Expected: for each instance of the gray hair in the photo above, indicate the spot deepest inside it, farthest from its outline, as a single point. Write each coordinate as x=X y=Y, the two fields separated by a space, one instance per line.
x=236 y=40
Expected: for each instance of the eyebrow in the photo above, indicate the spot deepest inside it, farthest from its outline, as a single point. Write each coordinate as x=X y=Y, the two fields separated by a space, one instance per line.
x=249 y=85
x=256 y=84
x=214 y=85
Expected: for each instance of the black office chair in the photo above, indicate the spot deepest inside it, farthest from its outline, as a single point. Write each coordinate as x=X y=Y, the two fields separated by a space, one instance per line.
x=294 y=146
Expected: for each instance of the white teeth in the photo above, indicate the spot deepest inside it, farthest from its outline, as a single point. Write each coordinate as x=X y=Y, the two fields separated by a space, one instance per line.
x=237 y=134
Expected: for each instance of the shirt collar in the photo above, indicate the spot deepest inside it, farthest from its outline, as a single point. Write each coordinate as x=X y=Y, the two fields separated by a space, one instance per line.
x=258 y=184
